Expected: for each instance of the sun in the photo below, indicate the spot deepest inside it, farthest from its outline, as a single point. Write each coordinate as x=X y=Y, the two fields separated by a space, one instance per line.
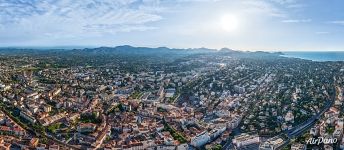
x=229 y=22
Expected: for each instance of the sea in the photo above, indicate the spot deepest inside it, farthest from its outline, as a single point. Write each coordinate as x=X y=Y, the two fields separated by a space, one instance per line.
x=317 y=56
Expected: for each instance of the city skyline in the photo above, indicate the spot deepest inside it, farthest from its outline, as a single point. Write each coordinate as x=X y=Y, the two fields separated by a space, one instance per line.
x=271 y=25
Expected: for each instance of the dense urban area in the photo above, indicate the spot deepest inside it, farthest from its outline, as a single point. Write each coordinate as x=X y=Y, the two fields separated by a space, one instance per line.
x=135 y=98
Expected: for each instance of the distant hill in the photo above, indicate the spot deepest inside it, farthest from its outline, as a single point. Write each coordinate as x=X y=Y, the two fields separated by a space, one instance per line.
x=129 y=50
x=126 y=49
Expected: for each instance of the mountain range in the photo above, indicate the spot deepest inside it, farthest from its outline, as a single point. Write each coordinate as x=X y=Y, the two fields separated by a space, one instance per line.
x=125 y=50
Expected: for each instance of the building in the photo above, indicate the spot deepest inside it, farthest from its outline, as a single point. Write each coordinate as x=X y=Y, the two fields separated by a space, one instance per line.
x=166 y=147
x=4 y=87
x=86 y=127
x=272 y=143
x=298 y=146
x=170 y=92
x=55 y=92
x=341 y=146
x=216 y=132
x=239 y=89
x=314 y=131
x=289 y=116
x=27 y=117
x=49 y=120
x=234 y=122
x=34 y=142
x=200 y=139
x=161 y=92
x=340 y=122
x=183 y=147
x=328 y=147
x=338 y=132
x=245 y=139
x=54 y=147
x=47 y=108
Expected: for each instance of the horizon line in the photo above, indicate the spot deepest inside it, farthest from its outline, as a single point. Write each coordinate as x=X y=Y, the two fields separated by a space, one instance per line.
x=67 y=47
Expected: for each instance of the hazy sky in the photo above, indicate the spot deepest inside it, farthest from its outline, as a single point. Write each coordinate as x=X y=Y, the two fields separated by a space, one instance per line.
x=236 y=24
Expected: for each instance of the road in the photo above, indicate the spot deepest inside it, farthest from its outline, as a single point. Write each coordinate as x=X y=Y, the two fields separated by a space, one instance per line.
x=229 y=145
x=296 y=131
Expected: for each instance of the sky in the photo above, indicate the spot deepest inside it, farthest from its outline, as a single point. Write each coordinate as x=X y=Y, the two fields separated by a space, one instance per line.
x=270 y=25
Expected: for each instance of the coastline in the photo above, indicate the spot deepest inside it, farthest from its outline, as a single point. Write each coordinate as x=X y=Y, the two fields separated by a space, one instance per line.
x=316 y=56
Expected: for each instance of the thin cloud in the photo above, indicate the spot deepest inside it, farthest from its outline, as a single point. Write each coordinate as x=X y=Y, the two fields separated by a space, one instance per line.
x=264 y=7
x=131 y=14
x=296 y=6
x=322 y=32
x=297 y=20
x=282 y=2
x=339 y=22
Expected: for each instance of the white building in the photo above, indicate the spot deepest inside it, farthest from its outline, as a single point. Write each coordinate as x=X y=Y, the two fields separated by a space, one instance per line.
x=289 y=116
x=272 y=144
x=338 y=132
x=4 y=87
x=183 y=147
x=314 y=131
x=234 y=122
x=166 y=147
x=27 y=117
x=340 y=123
x=245 y=139
x=239 y=89
x=298 y=146
x=216 y=132
x=170 y=92
x=201 y=139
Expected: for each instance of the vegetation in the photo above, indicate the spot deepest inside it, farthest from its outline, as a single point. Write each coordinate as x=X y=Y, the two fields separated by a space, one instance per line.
x=52 y=128
x=116 y=108
x=175 y=134
x=330 y=129
x=174 y=98
x=217 y=147
x=159 y=109
x=136 y=95
x=90 y=118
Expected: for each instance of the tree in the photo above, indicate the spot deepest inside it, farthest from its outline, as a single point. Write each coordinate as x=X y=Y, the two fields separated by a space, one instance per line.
x=217 y=147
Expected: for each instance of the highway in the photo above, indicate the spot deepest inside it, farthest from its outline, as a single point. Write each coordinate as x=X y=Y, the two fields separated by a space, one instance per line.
x=296 y=131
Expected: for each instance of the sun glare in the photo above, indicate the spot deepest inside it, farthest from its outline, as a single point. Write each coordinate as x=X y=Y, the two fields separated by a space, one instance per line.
x=229 y=23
